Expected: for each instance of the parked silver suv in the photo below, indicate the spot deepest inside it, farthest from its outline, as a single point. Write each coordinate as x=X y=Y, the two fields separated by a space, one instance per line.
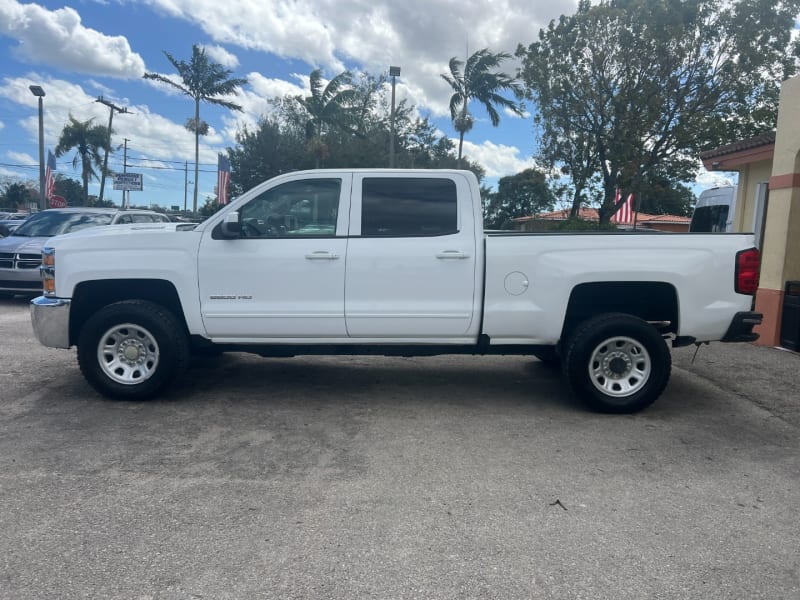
x=21 y=252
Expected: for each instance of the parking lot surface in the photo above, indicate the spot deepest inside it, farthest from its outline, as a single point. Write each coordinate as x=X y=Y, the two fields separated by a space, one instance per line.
x=371 y=477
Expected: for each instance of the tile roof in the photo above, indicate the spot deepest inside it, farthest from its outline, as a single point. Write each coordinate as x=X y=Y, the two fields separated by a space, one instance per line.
x=765 y=139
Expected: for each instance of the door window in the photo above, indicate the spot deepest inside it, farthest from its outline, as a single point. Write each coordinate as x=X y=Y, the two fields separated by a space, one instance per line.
x=406 y=207
x=305 y=208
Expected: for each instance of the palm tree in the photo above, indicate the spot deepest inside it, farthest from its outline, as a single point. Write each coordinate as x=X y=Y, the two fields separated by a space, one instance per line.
x=477 y=82
x=204 y=81
x=327 y=106
x=88 y=139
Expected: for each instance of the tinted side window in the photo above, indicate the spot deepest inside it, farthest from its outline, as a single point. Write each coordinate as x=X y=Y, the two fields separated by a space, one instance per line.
x=709 y=219
x=142 y=218
x=306 y=208
x=400 y=206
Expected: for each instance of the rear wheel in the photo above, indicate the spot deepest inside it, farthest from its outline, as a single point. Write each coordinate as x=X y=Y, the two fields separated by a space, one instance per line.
x=617 y=363
x=132 y=350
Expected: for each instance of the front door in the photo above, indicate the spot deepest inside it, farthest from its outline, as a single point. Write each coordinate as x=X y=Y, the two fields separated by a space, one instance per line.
x=284 y=276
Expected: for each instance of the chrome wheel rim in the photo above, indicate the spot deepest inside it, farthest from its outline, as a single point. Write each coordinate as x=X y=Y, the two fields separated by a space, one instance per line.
x=128 y=354
x=620 y=367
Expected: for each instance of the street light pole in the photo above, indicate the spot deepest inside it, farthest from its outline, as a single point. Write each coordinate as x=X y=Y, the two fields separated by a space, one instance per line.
x=394 y=73
x=37 y=91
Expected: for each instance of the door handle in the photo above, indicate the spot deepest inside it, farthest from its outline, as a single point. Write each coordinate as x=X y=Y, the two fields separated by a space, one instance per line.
x=444 y=254
x=322 y=255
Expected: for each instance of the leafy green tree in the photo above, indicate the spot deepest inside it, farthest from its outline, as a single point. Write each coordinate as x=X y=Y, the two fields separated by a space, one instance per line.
x=88 y=140
x=525 y=194
x=203 y=81
x=70 y=190
x=625 y=87
x=16 y=195
x=660 y=195
x=279 y=143
x=268 y=150
x=478 y=82
x=209 y=207
x=327 y=107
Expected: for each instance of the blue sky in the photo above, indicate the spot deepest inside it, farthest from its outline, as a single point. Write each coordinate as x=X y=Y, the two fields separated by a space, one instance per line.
x=93 y=48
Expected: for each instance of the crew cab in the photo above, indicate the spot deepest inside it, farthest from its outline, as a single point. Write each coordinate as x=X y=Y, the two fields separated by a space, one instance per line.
x=391 y=262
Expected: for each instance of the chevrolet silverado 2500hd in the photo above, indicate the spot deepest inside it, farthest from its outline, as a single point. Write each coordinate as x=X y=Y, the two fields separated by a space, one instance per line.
x=391 y=262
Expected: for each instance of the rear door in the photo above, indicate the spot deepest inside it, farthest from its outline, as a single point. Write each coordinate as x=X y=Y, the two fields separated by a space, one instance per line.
x=411 y=259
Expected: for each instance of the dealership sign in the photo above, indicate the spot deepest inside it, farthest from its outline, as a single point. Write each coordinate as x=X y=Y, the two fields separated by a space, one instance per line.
x=57 y=201
x=128 y=181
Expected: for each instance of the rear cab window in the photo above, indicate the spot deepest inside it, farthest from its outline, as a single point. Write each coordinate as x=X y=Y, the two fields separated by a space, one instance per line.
x=408 y=207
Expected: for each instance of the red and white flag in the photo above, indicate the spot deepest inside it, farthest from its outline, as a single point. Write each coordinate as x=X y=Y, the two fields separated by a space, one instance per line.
x=223 y=178
x=49 y=175
x=624 y=216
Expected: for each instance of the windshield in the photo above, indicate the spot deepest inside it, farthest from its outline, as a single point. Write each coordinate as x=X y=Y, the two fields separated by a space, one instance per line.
x=709 y=219
x=48 y=224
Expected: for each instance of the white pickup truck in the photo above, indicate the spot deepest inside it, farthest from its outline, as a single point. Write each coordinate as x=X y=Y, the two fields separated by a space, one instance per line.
x=391 y=262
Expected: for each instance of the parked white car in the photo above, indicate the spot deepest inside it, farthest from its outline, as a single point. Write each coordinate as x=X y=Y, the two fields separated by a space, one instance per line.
x=21 y=251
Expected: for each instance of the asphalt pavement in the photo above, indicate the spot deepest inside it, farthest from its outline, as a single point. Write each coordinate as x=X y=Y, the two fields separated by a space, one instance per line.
x=368 y=477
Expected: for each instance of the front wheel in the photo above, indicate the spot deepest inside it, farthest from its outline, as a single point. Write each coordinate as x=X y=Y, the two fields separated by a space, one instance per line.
x=132 y=350
x=617 y=363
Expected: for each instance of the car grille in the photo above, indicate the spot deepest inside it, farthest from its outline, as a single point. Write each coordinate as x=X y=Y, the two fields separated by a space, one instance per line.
x=13 y=260
x=20 y=285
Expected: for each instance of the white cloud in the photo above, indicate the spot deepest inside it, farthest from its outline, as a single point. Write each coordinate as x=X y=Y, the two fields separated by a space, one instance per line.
x=58 y=39
x=498 y=160
x=22 y=158
x=150 y=133
x=220 y=55
x=420 y=36
x=710 y=179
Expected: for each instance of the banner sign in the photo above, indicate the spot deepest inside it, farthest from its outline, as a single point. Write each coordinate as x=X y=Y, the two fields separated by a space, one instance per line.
x=128 y=181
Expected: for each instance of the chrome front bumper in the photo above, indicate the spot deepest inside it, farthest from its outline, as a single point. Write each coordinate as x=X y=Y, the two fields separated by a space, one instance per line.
x=50 y=319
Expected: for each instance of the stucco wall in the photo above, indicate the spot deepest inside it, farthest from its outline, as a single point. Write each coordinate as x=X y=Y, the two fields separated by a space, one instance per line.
x=749 y=178
x=781 y=251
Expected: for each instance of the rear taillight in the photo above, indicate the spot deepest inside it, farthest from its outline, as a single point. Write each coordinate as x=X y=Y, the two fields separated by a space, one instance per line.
x=748 y=265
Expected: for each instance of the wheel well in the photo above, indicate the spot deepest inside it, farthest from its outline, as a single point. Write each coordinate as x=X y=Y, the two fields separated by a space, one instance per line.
x=648 y=300
x=91 y=296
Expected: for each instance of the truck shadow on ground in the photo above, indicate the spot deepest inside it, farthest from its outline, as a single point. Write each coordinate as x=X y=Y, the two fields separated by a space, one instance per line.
x=462 y=379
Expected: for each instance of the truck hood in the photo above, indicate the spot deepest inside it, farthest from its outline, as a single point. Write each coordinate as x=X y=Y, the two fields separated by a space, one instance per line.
x=109 y=231
x=23 y=245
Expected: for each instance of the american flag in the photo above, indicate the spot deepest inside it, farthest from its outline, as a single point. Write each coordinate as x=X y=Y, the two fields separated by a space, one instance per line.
x=624 y=216
x=223 y=177
x=49 y=175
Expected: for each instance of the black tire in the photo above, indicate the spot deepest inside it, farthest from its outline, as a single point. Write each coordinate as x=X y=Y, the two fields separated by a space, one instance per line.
x=617 y=363
x=132 y=350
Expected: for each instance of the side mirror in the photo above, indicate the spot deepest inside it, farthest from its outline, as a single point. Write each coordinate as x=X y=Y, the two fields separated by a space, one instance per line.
x=4 y=231
x=231 y=227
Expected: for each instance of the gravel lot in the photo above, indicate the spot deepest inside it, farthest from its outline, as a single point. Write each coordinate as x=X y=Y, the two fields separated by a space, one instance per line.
x=449 y=477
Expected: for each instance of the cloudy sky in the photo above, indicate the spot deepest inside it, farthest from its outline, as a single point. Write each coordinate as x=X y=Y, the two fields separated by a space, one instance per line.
x=94 y=48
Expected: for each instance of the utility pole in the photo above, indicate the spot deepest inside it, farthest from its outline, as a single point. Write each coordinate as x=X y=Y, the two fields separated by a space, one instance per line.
x=125 y=170
x=394 y=73
x=185 y=183
x=113 y=108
